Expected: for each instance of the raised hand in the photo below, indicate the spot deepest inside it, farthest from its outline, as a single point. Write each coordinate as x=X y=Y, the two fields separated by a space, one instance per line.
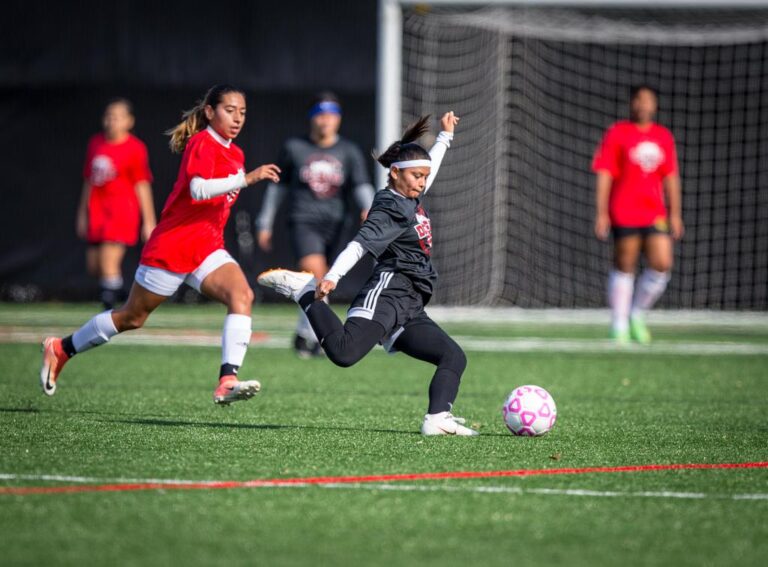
x=269 y=171
x=449 y=121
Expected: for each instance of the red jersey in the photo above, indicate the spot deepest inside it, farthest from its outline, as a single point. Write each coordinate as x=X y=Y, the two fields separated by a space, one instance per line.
x=638 y=160
x=190 y=230
x=112 y=171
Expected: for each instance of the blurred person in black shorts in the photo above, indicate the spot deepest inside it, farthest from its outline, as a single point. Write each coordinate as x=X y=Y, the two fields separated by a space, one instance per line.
x=321 y=172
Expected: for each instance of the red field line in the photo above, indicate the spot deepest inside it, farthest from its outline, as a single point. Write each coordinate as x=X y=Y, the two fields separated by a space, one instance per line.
x=321 y=480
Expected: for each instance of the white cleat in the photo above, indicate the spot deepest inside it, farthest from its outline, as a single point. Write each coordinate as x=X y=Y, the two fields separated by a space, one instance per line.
x=235 y=391
x=287 y=283
x=444 y=423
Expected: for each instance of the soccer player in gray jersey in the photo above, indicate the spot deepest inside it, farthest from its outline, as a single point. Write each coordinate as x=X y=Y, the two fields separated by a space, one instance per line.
x=321 y=173
x=390 y=308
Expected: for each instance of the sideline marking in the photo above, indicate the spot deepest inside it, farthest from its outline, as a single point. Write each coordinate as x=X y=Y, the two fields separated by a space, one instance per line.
x=127 y=485
x=150 y=337
x=554 y=491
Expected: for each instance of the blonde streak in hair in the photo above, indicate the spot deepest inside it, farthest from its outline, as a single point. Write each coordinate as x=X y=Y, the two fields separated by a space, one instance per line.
x=192 y=121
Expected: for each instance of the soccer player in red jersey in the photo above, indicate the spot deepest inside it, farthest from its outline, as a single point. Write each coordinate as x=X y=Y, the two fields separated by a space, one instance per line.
x=636 y=164
x=116 y=199
x=187 y=246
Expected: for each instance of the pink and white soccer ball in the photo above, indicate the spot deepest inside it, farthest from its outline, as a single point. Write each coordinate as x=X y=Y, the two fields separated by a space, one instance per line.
x=529 y=410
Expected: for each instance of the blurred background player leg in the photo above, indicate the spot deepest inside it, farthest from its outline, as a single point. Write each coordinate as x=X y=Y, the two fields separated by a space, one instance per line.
x=306 y=343
x=110 y=256
x=621 y=283
x=651 y=284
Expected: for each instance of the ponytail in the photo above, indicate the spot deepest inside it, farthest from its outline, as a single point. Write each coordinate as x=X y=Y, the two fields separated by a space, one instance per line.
x=405 y=148
x=194 y=120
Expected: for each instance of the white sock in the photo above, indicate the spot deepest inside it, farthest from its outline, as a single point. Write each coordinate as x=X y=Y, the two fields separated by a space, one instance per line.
x=95 y=332
x=650 y=287
x=235 y=338
x=620 y=288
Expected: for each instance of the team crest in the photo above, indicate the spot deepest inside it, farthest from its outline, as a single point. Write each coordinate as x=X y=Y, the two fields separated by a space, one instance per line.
x=324 y=174
x=423 y=229
x=103 y=170
x=647 y=155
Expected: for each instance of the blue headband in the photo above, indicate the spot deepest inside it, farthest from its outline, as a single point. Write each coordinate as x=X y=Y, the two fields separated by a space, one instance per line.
x=325 y=106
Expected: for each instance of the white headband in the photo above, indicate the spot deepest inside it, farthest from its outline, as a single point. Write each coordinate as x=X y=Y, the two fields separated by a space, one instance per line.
x=412 y=163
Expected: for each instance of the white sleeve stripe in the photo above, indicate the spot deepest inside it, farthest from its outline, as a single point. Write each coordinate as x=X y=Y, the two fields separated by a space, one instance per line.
x=202 y=189
x=437 y=153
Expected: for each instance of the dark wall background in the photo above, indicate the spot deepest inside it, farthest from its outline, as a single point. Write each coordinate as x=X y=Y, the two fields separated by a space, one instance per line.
x=60 y=64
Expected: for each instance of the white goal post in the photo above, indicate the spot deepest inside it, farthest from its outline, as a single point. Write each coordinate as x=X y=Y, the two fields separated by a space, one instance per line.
x=537 y=82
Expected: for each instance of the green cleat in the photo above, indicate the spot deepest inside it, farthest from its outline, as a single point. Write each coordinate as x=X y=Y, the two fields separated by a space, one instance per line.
x=639 y=331
x=620 y=337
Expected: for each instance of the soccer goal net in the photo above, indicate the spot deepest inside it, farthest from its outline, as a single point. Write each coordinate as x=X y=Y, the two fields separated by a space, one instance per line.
x=536 y=87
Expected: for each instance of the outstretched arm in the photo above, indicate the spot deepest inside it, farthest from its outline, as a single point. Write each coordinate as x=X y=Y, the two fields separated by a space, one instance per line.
x=202 y=189
x=442 y=143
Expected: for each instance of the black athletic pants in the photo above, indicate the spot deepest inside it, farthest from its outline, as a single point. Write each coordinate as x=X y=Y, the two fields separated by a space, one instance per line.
x=347 y=343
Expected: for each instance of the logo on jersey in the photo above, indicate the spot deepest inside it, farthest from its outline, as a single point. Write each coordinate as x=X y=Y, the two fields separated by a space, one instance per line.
x=103 y=170
x=423 y=229
x=324 y=174
x=647 y=155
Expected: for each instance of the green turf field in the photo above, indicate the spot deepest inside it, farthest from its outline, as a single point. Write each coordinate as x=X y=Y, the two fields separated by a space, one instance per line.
x=141 y=410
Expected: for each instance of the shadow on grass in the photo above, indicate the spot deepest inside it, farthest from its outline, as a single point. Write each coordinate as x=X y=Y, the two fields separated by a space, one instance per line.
x=257 y=426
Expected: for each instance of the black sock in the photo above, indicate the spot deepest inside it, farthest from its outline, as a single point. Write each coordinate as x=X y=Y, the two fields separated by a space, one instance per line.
x=109 y=297
x=322 y=318
x=443 y=390
x=69 y=348
x=228 y=370
x=306 y=300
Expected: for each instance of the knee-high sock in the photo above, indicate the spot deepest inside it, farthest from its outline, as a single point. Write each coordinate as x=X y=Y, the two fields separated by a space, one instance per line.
x=320 y=316
x=304 y=327
x=620 y=289
x=111 y=290
x=650 y=287
x=95 y=332
x=234 y=340
x=428 y=342
x=443 y=390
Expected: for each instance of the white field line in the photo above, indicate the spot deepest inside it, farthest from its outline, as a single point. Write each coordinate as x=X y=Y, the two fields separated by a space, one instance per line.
x=554 y=491
x=473 y=344
x=100 y=480
x=515 y=490
x=671 y=318
x=441 y=314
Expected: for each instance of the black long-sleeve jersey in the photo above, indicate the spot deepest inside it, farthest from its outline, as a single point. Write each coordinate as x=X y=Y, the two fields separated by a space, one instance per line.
x=398 y=233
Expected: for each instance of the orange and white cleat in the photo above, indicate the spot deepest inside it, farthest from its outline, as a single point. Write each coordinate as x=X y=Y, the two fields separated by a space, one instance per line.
x=54 y=359
x=231 y=389
x=288 y=283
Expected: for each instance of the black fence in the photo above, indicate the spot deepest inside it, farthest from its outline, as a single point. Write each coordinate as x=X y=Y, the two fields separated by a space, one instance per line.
x=62 y=63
